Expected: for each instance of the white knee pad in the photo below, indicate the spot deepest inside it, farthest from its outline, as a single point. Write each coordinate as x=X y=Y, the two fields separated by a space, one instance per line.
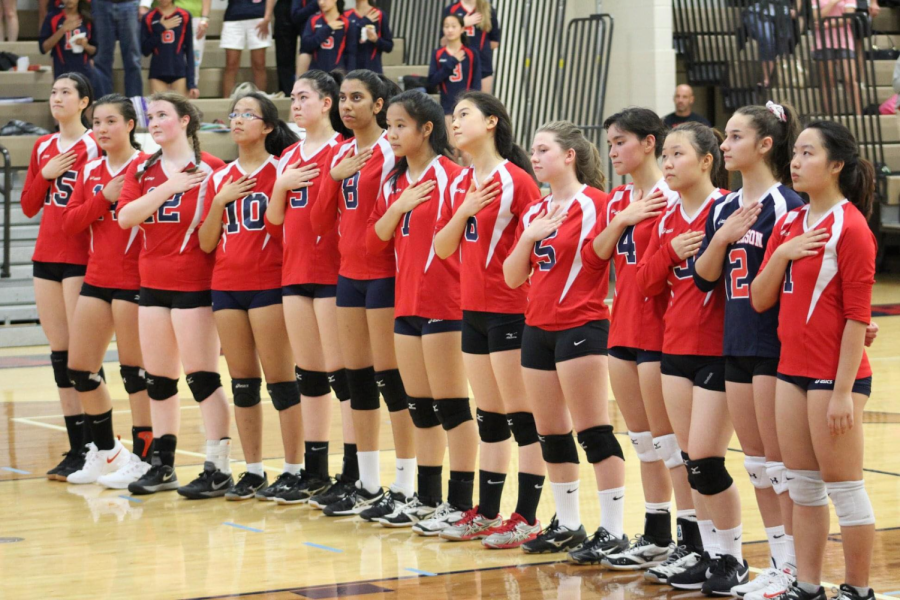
x=756 y=468
x=851 y=503
x=668 y=450
x=806 y=488
x=775 y=472
x=643 y=446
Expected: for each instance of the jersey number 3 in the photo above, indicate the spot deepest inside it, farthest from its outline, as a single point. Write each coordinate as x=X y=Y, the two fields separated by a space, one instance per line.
x=738 y=287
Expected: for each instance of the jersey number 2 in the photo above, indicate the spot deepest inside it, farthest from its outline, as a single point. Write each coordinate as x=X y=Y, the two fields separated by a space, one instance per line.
x=738 y=287
x=545 y=253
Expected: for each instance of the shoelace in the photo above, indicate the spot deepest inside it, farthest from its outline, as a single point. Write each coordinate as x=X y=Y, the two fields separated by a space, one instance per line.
x=442 y=512
x=725 y=566
x=601 y=536
x=508 y=525
x=468 y=516
x=551 y=529
x=679 y=553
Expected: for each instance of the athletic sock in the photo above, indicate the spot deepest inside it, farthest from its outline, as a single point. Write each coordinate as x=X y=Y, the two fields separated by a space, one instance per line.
x=256 y=469
x=369 y=473
x=350 y=468
x=612 y=510
x=88 y=438
x=102 y=430
x=164 y=449
x=142 y=440
x=405 y=476
x=790 y=555
x=809 y=588
x=292 y=468
x=530 y=488
x=75 y=426
x=568 y=511
x=316 y=459
x=658 y=522
x=775 y=535
x=490 y=491
x=218 y=453
x=862 y=591
x=687 y=530
x=460 y=489
x=730 y=542
x=708 y=537
x=430 y=485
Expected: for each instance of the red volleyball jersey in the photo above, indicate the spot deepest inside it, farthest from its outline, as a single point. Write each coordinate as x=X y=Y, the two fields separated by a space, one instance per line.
x=490 y=237
x=113 y=251
x=637 y=319
x=694 y=320
x=351 y=202
x=249 y=253
x=308 y=257
x=566 y=292
x=426 y=285
x=53 y=243
x=171 y=258
x=821 y=293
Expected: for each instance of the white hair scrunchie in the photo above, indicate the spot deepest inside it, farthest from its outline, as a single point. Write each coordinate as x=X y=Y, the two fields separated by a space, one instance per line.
x=777 y=110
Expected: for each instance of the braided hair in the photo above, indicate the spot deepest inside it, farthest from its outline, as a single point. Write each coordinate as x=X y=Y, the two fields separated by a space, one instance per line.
x=183 y=107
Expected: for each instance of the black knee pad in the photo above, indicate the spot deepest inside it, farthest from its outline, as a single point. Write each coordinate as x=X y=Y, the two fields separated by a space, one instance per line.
x=600 y=443
x=203 y=384
x=523 y=428
x=134 y=378
x=161 y=388
x=59 y=360
x=422 y=413
x=558 y=449
x=338 y=382
x=685 y=458
x=246 y=391
x=391 y=387
x=284 y=394
x=363 y=390
x=709 y=475
x=492 y=427
x=452 y=412
x=312 y=383
x=84 y=381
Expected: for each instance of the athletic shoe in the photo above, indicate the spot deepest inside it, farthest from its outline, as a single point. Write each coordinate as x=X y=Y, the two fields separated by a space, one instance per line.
x=159 y=478
x=72 y=461
x=512 y=533
x=337 y=491
x=777 y=582
x=99 y=462
x=642 y=554
x=357 y=501
x=444 y=516
x=601 y=545
x=409 y=514
x=391 y=503
x=683 y=558
x=52 y=473
x=211 y=483
x=130 y=472
x=795 y=593
x=303 y=489
x=845 y=592
x=472 y=526
x=556 y=538
x=247 y=486
x=693 y=577
x=724 y=575
x=281 y=484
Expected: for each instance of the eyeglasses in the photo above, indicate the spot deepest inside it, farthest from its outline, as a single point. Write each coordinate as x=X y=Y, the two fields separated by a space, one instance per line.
x=249 y=116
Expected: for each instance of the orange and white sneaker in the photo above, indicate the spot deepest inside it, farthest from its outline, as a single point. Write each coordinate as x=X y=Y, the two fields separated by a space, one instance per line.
x=514 y=532
x=472 y=526
x=100 y=462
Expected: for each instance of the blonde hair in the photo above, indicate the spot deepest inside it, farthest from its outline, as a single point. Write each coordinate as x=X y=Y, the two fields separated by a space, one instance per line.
x=484 y=7
x=588 y=162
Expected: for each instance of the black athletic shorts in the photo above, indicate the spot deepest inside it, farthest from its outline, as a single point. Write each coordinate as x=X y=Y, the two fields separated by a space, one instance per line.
x=635 y=355
x=174 y=299
x=419 y=326
x=487 y=332
x=310 y=290
x=57 y=271
x=245 y=300
x=706 y=372
x=365 y=293
x=110 y=294
x=543 y=349
x=742 y=369
x=860 y=386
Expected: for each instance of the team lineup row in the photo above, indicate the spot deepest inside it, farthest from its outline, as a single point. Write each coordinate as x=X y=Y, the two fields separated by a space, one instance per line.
x=313 y=253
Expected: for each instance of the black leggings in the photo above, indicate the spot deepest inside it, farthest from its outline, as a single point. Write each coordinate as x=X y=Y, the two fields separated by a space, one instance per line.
x=285 y=36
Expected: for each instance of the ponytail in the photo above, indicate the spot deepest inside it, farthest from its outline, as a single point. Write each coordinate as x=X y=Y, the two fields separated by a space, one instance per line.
x=126 y=109
x=706 y=141
x=588 y=162
x=857 y=177
x=504 y=140
x=85 y=90
x=782 y=125
x=329 y=84
x=281 y=135
x=380 y=87
x=422 y=109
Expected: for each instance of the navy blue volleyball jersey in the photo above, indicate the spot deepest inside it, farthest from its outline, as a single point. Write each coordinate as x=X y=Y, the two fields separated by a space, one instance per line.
x=330 y=49
x=747 y=333
x=244 y=10
x=452 y=77
x=64 y=60
x=477 y=37
x=172 y=49
x=368 y=54
x=301 y=11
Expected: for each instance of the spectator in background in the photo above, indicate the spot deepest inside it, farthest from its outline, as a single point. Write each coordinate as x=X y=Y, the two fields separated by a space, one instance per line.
x=483 y=31
x=247 y=26
x=301 y=12
x=166 y=33
x=69 y=36
x=375 y=34
x=287 y=30
x=199 y=10
x=117 y=20
x=834 y=47
x=46 y=7
x=455 y=67
x=684 y=104
x=9 y=25
x=329 y=39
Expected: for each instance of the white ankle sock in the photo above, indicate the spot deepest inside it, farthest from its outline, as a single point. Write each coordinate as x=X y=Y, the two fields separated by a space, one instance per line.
x=255 y=468
x=406 y=476
x=218 y=452
x=369 y=470
x=708 y=535
x=292 y=468
x=775 y=536
x=730 y=541
x=658 y=508
x=568 y=512
x=790 y=555
x=612 y=510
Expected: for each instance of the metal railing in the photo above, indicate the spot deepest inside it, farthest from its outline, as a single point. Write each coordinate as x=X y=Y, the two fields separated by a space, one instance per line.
x=7 y=210
x=418 y=22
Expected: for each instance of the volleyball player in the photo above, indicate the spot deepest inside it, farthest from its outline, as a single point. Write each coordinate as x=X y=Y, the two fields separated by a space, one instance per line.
x=485 y=206
x=59 y=259
x=374 y=31
x=455 y=67
x=166 y=33
x=483 y=30
x=328 y=39
x=246 y=285
x=164 y=193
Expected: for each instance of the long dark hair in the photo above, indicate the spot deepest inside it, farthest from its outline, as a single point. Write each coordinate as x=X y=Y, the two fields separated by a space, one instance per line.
x=783 y=134
x=588 y=163
x=329 y=84
x=857 y=177
x=281 y=135
x=85 y=90
x=183 y=107
x=84 y=11
x=379 y=86
x=464 y=38
x=504 y=141
x=706 y=140
x=126 y=109
x=642 y=122
x=422 y=109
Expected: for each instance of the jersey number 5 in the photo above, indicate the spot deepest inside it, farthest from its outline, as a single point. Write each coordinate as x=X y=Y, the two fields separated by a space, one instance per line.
x=65 y=183
x=350 y=191
x=545 y=253
x=685 y=270
x=299 y=198
x=626 y=246
x=738 y=287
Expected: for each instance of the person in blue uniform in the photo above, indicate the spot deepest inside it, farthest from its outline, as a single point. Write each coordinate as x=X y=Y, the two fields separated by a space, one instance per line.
x=375 y=36
x=69 y=36
x=330 y=39
x=455 y=68
x=166 y=34
x=483 y=30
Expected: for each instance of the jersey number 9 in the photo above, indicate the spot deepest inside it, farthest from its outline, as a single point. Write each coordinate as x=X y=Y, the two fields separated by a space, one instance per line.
x=545 y=253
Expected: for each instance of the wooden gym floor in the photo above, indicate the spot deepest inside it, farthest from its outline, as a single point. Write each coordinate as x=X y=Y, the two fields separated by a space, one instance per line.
x=65 y=541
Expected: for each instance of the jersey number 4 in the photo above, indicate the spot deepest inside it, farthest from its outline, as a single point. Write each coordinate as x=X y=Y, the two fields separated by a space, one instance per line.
x=349 y=188
x=738 y=286
x=545 y=253
x=253 y=210
x=626 y=246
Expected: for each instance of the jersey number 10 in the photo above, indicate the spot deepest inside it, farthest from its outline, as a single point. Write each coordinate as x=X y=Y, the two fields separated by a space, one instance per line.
x=253 y=209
